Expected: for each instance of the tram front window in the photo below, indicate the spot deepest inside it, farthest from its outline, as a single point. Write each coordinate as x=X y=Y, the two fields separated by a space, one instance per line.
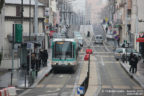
x=63 y=50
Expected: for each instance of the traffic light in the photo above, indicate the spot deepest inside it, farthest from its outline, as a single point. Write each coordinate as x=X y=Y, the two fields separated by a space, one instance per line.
x=18 y=33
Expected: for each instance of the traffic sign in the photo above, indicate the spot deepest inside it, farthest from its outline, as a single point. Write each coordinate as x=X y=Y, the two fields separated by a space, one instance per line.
x=80 y=90
x=30 y=46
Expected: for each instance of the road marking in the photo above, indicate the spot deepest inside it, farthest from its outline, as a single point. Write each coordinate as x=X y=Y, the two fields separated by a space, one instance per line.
x=52 y=94
x=106 y=86
x=136 y=87
x=50 y=91
x=40 y=86
x=106 y=56
x=69 y=86
x=54 y=86
x=102 y=62
x=61 y=76
x=111 y=62
x=121 y=87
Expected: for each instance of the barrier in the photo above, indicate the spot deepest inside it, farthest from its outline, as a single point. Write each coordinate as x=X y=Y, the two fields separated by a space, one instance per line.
x=1 y=92
x=6 y=93
x=12 y=91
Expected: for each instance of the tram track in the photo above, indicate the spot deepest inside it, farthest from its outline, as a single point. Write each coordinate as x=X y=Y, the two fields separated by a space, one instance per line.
x=61 y=83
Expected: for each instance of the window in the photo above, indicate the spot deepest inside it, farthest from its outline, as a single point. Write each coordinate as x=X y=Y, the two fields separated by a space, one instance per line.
x=18 y=10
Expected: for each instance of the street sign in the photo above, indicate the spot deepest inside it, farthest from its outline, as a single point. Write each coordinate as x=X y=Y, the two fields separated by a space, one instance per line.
x=30 y=46
x=80 y=90
x=18 y=33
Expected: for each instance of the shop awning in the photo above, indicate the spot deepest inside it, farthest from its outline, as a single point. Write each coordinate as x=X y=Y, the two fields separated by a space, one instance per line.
x=140 y=40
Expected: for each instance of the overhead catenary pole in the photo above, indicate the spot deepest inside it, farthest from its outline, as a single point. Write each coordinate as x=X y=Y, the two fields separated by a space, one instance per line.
x=29 y=36
x=29 y=19
x=36 y=19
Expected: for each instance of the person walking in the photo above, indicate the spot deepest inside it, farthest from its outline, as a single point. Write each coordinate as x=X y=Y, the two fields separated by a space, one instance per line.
x=135 y=63
x=131 y=62
x=88 y=34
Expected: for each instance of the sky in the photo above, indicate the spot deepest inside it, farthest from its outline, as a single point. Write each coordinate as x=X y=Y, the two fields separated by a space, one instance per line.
x=80 y=4
x=96 y=6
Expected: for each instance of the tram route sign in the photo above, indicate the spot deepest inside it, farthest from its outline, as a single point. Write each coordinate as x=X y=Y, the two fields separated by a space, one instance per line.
x=80 y=90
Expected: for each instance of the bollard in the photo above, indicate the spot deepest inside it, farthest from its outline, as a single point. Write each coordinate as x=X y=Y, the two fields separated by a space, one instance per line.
x=12 y=91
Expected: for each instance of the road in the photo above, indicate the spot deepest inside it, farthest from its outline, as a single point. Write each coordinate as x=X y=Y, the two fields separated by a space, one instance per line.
x=113 y=80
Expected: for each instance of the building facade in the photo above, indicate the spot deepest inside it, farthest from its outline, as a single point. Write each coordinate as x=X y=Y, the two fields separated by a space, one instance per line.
x=13 y=15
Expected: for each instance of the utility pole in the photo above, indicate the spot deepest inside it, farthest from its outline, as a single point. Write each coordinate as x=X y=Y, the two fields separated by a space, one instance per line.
x=137 y=23
x=29 y=37
x=36 y=19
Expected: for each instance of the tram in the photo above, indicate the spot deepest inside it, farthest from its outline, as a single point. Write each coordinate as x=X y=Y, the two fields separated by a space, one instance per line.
x=64 y=54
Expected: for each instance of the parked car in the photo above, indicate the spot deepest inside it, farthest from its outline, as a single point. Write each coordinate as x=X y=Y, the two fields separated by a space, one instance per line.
x=118 y=53
x=99 y=39
x=124 y=53
x=128 y=51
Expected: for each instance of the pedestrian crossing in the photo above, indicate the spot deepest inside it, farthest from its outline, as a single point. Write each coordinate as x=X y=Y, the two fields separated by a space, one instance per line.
x=53 y=86
x=120 y=87
x=103 y=86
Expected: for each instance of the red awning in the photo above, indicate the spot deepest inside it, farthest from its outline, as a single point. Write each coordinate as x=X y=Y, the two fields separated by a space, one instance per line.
x=140 y=40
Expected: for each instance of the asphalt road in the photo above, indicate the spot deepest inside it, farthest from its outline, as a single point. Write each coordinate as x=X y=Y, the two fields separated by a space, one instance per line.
x=114 y=80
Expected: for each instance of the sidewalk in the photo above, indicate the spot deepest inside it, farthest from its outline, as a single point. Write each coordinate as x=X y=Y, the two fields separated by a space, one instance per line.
x=139 y=76
x=19 y=76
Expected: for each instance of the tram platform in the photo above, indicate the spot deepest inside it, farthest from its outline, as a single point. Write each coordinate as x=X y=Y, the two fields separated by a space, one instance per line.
x=93 y=77
x=20 y=79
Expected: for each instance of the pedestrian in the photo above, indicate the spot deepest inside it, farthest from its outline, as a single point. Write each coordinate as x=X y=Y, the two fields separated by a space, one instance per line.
x=88 y=34
x=40 y=58
x=44 y=57
x=33 y=61
x=131 y=62
x=135 y=63
x=123 y=58
x=106 y=29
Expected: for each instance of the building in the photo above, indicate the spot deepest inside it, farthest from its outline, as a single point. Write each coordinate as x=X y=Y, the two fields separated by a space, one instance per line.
x=14 y=15
x=138 y=23
x=1 y=29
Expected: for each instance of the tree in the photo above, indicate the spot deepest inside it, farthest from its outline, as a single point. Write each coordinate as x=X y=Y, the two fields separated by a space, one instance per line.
x=1 y=4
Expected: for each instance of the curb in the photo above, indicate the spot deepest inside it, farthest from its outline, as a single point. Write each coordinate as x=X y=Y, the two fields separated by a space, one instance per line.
x=135 y=77
x=38 y=80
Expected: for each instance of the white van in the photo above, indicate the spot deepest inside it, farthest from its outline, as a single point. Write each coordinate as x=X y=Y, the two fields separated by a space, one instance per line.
x=99 y=39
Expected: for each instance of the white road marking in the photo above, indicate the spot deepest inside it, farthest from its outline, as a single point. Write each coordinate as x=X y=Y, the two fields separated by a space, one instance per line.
x=102 y=62
x=61 y=76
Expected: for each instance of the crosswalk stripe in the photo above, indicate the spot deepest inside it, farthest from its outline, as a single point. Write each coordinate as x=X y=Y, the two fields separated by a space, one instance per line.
x=53 y=86
x=121 y=87
x=137 y=87
x=40 y=86
x=69 y=86
x=106 y=86
x=110 y=62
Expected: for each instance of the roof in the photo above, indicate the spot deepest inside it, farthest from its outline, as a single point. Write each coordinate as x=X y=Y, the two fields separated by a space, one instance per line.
x=25 y=2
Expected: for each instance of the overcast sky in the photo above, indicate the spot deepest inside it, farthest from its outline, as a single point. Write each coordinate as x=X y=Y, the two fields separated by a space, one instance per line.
x=80 y=4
